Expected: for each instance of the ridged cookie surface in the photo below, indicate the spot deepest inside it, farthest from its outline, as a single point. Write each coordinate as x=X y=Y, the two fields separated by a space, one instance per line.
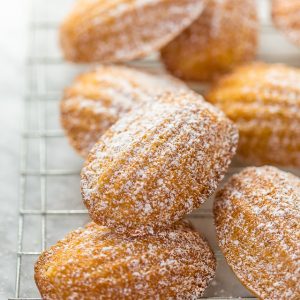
x=286 y=16
x=93 y=263
x=122 y=30
x=223 y=36
x=98 y=98
x=157 y=163
x=264 y=101
x=257 y=217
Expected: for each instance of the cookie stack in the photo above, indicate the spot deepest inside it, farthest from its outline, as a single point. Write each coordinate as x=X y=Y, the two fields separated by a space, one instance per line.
x=155 y=151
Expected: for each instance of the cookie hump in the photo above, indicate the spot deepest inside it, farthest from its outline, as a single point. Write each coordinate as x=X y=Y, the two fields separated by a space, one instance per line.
x=157 y=163
x=122 y=30
x=223 y=36
x=98 y=98
x=257 y=218
x=93 y=263
x=264 y=101
x=286 y=17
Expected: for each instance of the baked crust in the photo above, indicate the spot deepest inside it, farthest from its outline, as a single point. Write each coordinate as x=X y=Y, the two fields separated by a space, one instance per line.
x=286 y=17
x=122 y=30
x=157 y=163
x=94 y=263
x=264 y=101
x=257 y=217
x=223 y=36
x=97 y=99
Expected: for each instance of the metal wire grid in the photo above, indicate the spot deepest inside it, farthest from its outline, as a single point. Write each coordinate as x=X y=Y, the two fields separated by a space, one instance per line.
x=37 y=96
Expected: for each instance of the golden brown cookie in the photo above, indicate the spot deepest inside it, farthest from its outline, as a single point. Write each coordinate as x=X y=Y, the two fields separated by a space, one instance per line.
x=157 y=163
x=94 y=263
x=223 y=36
x=257 y=217
x=97 y=99
x=286 y=17
x=264 y=101
x=122 y=30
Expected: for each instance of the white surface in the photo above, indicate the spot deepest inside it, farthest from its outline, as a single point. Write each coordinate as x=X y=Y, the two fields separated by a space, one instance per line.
x=63 y=193
x=12 y=53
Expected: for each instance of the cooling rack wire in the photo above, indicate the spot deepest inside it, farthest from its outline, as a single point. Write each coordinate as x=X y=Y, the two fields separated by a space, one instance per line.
x=50 y=203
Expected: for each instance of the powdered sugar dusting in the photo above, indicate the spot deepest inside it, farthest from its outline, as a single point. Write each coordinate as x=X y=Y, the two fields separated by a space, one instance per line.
x=94 y=263
x=98 y=98
x=264 y=101
x=286 y=16
x=257 y=217
x=122 y=30
x=205 y=49
x=157 y=163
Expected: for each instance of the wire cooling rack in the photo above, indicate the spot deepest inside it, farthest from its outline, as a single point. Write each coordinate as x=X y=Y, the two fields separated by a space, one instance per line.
x=50 y=202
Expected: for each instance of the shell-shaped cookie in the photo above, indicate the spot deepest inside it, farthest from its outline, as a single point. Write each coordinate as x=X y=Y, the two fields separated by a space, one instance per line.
x=93 y=263
x=257 y=217
x=157 y=163
x=122 y=30
x=98 y=98
x=264 y=101
x=223 y=36
x=286 y=17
